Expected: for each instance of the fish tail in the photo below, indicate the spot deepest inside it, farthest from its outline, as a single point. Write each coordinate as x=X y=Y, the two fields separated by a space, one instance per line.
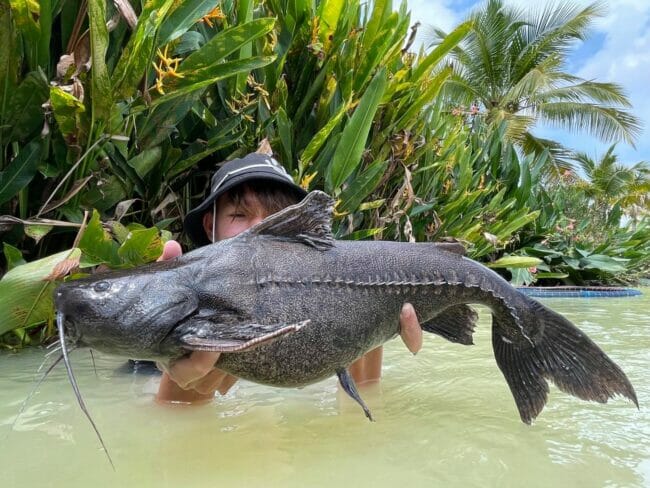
x=560 y=352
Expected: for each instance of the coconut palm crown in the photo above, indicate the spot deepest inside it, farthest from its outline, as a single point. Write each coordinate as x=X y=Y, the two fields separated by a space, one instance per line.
x=610 y=185
x=512 y=64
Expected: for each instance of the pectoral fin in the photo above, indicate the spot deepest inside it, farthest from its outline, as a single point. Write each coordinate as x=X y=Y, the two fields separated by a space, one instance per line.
x=347 y=382
x=208 y=336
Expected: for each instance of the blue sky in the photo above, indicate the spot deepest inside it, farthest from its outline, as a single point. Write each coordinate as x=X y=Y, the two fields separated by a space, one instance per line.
x=618 y=51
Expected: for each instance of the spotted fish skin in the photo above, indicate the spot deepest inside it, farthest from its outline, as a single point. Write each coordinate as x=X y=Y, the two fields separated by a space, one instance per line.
x=288 y=305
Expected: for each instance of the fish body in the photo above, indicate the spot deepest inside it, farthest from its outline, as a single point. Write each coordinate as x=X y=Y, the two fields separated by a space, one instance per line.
x=287 y=305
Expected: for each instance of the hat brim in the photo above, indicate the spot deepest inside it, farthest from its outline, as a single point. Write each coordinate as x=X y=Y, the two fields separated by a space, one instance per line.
x=193 y=223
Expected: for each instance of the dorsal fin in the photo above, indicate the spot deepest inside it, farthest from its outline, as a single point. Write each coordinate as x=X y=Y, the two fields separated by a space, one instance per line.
x=451 y=246
x=309 y=222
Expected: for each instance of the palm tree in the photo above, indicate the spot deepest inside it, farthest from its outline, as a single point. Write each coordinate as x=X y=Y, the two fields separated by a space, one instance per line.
x=512 y=67
x=608 y=184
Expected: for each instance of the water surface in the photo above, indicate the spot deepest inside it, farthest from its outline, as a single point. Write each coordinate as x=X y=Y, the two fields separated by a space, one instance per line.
x=443 y=418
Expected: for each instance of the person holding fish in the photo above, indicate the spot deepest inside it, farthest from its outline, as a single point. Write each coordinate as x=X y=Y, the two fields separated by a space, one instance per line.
x=244 y=192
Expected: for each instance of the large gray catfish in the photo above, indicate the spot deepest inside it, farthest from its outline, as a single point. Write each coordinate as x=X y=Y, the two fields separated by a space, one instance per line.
x=288 y=306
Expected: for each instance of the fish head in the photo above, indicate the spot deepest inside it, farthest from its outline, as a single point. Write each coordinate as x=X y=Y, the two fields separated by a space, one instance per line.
x=126 y=313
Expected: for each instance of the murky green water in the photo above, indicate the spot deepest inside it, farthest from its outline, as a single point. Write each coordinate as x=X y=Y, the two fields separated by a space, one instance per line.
x=444 y=418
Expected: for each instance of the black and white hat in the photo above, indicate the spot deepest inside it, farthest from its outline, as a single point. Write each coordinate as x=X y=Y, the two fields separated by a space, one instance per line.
x=253 y=166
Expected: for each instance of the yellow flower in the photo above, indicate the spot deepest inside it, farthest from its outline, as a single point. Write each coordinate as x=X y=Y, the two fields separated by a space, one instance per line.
x=306 y=180
x=214 y=14
x=336 y=213
x=166 y=67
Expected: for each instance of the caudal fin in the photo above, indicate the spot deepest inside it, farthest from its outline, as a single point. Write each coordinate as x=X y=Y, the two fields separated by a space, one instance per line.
x=562 y=354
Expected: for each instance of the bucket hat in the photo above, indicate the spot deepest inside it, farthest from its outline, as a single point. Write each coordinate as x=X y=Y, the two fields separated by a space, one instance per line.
x=254 y=166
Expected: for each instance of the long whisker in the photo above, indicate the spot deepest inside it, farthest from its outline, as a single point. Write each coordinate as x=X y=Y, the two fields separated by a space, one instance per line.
x=53 y=351
x=35 y=388
x=66 y=360
x=54 y=344
x=92 y=360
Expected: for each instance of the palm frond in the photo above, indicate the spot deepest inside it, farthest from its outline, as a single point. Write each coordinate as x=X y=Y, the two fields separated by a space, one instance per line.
x=589 y=91
x=559 y=157
x=605 y=123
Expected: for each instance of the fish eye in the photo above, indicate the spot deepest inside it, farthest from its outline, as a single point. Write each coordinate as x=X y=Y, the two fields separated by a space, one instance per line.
x=101 y=286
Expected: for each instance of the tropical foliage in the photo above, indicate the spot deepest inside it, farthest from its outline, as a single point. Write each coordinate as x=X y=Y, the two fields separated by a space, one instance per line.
x=593 y=227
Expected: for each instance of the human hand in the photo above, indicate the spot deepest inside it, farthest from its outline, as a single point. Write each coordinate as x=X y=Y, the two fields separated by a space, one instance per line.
x=410 y=329
x=197 y=372
x=194 y=378
x=172 y=249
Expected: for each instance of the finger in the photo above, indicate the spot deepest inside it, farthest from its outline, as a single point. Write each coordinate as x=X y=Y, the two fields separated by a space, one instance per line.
x=227 y=384
x=172 y=249
x=161 y=366
x=169 y=393
x=210 y=382
x=410 y=329
x=188 y=370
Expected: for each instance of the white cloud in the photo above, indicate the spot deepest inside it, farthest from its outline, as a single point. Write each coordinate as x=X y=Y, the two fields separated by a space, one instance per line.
x=623 y=58
x=433 y=12
x=430 y=13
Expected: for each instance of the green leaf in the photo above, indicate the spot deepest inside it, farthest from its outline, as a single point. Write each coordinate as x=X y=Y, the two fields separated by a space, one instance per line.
x=604 y=263
x=521 y=276
x=359 y=235
x=371 y=205
x=244 y=15
x=380 y=11
x=201 y=79
x=137 y=54
x=372 y=58
x=9 y=58
x=450 y=41
x=20 y=171
x=45 y=26
x=13 y=256
x=362 y=186
x=160 y=123
x=182 y=18
x=355 y=134
x=119 y=231
x=101 y=97
x=505 y=231
x=147 y=160
x=97 y=245
x=515 y=262
x=428 y=96
x=23 y=13
x=321 y=136
x=25 y=295
x=224 y=43
x=329 y=13
x=37 y=232
x=285 y=131
x=558 y=276
x=141 y=246
x=105 y=196
x=224 y=136
x=189 y=42
x=23 y=113
x=66 y=108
